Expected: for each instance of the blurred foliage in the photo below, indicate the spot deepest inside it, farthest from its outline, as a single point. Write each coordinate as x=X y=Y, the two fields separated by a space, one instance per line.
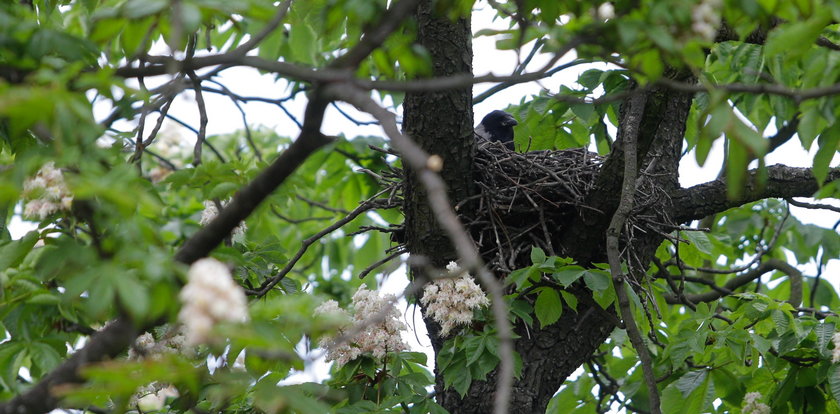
x=111 y=254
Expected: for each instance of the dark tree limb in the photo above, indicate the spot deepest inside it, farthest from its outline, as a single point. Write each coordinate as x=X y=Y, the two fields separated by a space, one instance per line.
x=813 y=206
x=269 y=283
x=701 y=200
x=119 y=334
x=736 y=282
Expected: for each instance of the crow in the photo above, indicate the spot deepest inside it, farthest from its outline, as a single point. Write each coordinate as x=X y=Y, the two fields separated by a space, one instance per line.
x=497 y=126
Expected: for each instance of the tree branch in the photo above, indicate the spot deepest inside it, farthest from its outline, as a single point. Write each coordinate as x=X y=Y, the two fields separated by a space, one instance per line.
x=366 y=205
x=701 y=200
x=628 y=189
x=798 y=95
x=736 y=282
x=814 y=206
x=119 y=334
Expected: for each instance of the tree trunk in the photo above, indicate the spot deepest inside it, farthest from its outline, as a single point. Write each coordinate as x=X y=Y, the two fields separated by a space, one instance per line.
x=442 y=123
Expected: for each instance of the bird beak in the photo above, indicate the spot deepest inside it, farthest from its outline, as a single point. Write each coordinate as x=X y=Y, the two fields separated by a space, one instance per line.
x=509 y=121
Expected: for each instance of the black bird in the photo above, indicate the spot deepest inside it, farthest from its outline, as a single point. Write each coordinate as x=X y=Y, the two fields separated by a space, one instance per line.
x=497 y=126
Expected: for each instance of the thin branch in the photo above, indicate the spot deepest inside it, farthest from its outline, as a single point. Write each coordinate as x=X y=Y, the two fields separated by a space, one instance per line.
x=295 y=221
x=278 y=102
x=272 y=25
x=442 y=209
x=269 y=283
x=504 y=85
x=784 y=134
x=351 y=119
x=201 y=136
x=814 y=206
x=743 y=279
x=248 y=198
x=797 y=95
x=761 y=252
x=322 y=205
x=248 y=137
x=376 y=34
x=619 y=218
x=196 y=132
x=381 y=262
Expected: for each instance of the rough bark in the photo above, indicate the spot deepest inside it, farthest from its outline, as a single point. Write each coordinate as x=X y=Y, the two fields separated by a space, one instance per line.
x=781 y=182
x=442 y=124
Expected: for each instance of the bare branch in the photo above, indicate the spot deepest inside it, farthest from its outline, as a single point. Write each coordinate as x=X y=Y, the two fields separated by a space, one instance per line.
x=272 y=25
x=196 y=132
x=376 y=34
x=248 y=137
x=815 y=206
x=619 y=218
x=738 y=281
x=365 y=206
x=201 y=136
x=797 y=95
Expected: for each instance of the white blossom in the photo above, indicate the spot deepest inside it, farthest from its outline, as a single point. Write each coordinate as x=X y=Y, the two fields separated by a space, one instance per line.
x=705 y=19
x=210 y=296
x=752 y=406
x=450 y=302
x=835 y=354
x=145 y=345
x=375 y=319
x=153 y=397
x=46 y=193
x=606 y=11
x=211 y=211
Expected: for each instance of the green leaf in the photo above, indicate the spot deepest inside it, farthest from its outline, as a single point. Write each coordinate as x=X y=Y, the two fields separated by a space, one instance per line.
x=223 y=190
x=690 y=381
x=537 y=256
x=824 y=332
x=133 y=296
x=44 y=356
x=736 y=169
x=570 y=299
x=568 y=275
x=596 y=280
x=13 y=252
x=829 y=144
x=700 y=240
x=791 y=40
x=135 y=9
x=303 y=43
x=834 y=382
x=548 y=306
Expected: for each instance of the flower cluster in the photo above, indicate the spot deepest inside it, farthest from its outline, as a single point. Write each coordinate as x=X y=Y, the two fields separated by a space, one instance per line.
x=210 y=212
x=705 y=19
x=606 y=11
x=146 y=346
x=46 y=193
x=152 y=397
x=451 y=301
x=835 y=354
x=375 y=319
x=210 y=296
x=752 y=405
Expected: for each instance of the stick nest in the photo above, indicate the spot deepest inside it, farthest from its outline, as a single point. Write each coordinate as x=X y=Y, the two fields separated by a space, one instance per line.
x=524 y=198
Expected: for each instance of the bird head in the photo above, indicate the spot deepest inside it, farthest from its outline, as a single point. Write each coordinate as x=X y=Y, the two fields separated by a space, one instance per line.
x=498 y=119
x=497 y=126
